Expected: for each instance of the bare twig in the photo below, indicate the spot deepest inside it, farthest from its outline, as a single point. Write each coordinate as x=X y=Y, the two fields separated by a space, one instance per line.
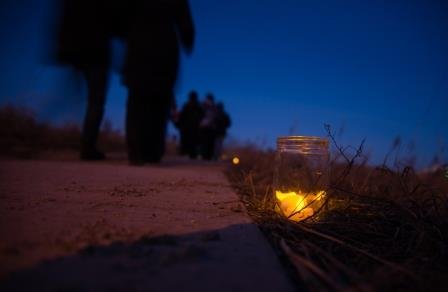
x=374 y=257
x=300 y=262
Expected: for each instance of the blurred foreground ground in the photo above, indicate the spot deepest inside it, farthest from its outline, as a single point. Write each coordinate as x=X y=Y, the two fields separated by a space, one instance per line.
x=71 y=225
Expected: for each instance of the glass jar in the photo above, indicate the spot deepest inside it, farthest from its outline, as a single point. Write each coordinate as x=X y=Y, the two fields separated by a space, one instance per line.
x=300 y=176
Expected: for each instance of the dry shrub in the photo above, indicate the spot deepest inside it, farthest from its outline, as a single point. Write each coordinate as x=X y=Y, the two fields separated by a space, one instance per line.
x=22 y=135
x=381 y=228
x=20 y=132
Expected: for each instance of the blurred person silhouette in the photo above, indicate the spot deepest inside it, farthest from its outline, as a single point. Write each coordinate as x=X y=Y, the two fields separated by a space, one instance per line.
x=157 y=31
x=207 y=127
x=83 y=37
x=188 y=124
x=222 y=122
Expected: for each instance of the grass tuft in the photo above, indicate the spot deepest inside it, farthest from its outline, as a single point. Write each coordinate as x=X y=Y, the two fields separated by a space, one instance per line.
x=380 y=229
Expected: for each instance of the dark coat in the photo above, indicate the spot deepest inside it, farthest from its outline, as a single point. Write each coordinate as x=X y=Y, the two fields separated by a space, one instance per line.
x=190 y=118
x=85 y=29
x=158 y=29
x=222 y=123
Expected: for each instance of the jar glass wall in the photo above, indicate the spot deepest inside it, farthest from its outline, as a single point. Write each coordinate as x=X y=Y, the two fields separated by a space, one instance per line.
x=300 y=176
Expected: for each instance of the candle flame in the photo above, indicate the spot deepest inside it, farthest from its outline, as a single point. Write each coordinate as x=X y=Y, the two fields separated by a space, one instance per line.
x=298 y=206
x=235 y=160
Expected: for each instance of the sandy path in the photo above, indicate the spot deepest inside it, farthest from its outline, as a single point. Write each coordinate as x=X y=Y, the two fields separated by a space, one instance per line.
x=108 y=226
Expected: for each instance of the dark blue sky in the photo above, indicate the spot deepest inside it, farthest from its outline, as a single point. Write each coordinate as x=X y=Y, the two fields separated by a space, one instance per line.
x=377 y=69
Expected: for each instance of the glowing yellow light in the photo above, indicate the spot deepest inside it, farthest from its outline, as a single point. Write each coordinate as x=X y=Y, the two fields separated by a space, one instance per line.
x=235 y=160
x=298 y=206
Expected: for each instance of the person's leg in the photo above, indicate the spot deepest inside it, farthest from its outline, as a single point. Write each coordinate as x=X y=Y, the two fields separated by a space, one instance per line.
x=159 y=120
x=218 y=147
x=192 y=151
x=202 y=142
x=209 y=144
x=96 y=79
x=155 y=138
x=195 y=143
x=134 y=127
x=183 y=145
x=157 y=108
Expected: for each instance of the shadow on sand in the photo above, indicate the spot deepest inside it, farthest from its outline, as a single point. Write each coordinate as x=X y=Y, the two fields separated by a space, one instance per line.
x=227 y=259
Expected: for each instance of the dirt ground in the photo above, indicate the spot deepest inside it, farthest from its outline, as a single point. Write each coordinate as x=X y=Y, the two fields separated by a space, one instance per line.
x=71 y=225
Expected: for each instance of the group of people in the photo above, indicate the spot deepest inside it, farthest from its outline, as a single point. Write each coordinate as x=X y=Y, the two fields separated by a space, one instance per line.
x=202 y=127
x=154 y=32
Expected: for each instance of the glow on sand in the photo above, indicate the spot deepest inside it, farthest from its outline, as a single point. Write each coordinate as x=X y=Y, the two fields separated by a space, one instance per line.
x=298 y=206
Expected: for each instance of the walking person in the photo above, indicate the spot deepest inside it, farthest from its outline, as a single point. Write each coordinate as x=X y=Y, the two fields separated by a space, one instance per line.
x=85 y=30
x=222 y=122
x=207 y=127
x=188 y=124
x=158 y=30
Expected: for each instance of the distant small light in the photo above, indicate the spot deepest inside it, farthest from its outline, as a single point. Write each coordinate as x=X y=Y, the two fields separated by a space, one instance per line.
x=235 y=160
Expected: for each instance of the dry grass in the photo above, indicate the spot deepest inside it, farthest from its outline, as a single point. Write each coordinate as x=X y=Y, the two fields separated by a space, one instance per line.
x=22 y=135
x=380 y=229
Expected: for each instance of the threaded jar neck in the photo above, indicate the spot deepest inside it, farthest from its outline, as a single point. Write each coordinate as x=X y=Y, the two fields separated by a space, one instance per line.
x=306 y=145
